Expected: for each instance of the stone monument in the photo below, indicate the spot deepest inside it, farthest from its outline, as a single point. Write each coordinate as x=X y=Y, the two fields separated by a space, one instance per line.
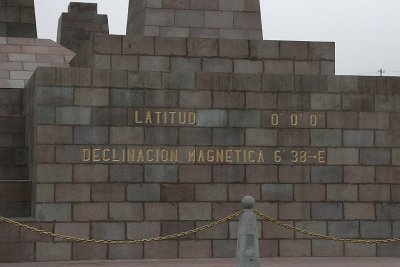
x=169 y=127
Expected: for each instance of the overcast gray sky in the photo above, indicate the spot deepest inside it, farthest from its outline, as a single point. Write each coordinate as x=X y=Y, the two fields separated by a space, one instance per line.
x=366 y=32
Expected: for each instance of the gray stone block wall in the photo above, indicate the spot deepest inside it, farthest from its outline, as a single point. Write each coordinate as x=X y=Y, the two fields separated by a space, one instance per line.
x=352 y=193
x=79 y=24
x=17 y=18
x=145 y=53
x=237 y=19
x=19 y=58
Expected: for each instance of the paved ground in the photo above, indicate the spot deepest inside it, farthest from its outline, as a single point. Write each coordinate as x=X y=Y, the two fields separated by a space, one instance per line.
x=278 y=262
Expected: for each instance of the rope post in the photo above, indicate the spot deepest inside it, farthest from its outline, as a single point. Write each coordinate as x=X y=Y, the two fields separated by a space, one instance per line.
x=247 y=251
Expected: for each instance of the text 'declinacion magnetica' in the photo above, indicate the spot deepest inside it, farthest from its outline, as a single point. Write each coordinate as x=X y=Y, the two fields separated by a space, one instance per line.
x=202 y=155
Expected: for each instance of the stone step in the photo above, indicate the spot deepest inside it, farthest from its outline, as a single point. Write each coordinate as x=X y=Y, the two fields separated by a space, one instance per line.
x=273 y=262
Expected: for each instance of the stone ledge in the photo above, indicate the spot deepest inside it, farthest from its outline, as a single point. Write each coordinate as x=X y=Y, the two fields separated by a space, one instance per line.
x=359 y=87
x=272 y=262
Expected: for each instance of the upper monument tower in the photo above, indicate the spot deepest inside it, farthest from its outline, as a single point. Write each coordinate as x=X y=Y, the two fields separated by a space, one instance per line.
x=228 y=19
x=17 y=18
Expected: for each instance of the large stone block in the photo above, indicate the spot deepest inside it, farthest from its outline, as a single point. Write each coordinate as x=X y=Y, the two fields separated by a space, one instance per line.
x=293 y=137
x=72 y=193
x=126 y=97
x=261 y=174
x=202 y=47
x=375 y=229
x=160 y=173
x=91 y=135
x=359 y=211
x=261 y=137
x=195 y=174
x=228 y=137
x=228 y=174
x=92 y=173
x=246 y=118
x=326 y=174
x=195 y=211
x=49 y=212
x=326 y=248
x=345 y=229
x=342 y=192
x=294 y=211
x=295 y=248
x=126 y=135
x=161 y=211
x=126 y=211
x=312 y=192
x=91 y=97
x=342 y=156
x=90 y=211
x=359 y=174
x=54 y=173
x=211 y=192
x=195 y=249
x=161 y=136
x=277 y=192
x=177 y=193
x=372 y=193
x=294 y=174
x=46 y=251
x=375 y=156
x=326 y=137
x=212 y=118
x=108 y=230
x=48 y=134
x=108 y=192
x=200 y=99
x=73 y=115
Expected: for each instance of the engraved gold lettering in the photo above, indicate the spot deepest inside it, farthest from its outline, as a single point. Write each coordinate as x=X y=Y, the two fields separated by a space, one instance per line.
x=192 y=118
x=96 y=157
x=174 y=155
x=86 y=155
x=260 y=157
x=210 y=156
x=192 y=155
x=201 y=156
x=137 y=120
x=277 y=156
x=105 y=157
x=172 y=113
x=148 y=118
x=321 y=156
x=294 y=119
x=158 y=114
x=149 y=156
x=182 y=117
x=313 y=120
x=274 y=119
x=164 y=155
x=131 y=154
x=228 y=155
x=237 y=151
x=114 y=156
x=220 y=155
x=140 y=156
x=252 y=156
